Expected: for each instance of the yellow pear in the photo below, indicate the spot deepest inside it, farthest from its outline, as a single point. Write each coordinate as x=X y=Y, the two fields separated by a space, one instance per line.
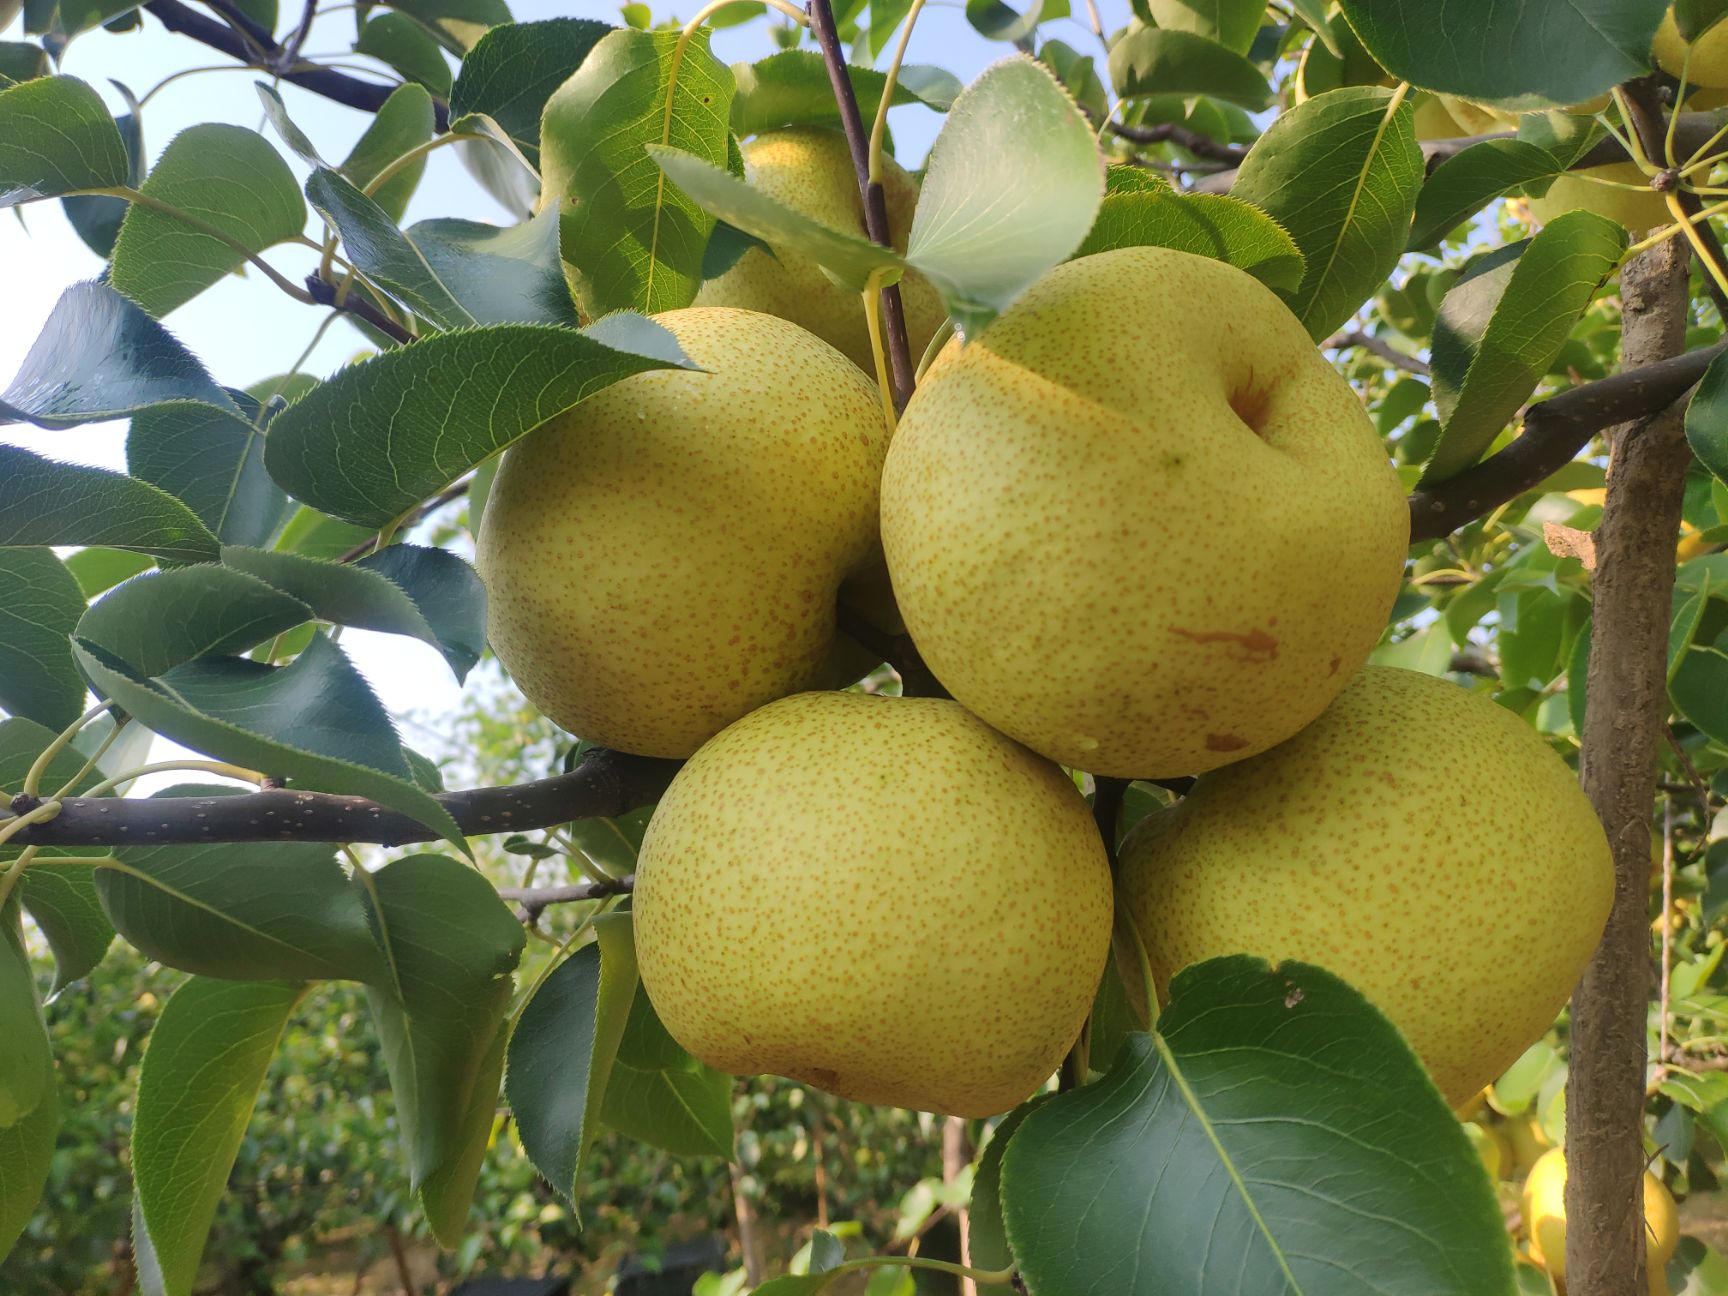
x=809 y=169
x=882 y=897
x=1477 y=119
x=1417 y=840
x=1528 y=1141
x=1601 y=189
x=664 y=557
x=1709 y=65
x=1051 y=517
x=1544 y=1206
x=1489 y=1147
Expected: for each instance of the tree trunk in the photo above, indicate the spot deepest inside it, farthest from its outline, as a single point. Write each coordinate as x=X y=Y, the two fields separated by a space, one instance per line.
x=746 y=1218
x=956 y=1156
x=1623 y=725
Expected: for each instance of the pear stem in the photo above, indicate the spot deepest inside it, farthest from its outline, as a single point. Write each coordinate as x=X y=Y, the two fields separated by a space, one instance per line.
x=875 y=201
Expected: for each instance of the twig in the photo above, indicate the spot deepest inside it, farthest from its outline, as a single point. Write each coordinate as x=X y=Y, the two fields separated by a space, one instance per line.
x=875 y=201
x=324 y=294
x=297 y=38
x=535 y=900
x=1555 y=430
x=416 y=515
x=1649 y=120
x=1192 y=140
x=605 y=784
x=1380 y=347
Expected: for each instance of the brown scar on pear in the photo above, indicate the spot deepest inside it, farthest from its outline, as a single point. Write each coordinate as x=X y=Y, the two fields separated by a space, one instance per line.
x=1257 y=645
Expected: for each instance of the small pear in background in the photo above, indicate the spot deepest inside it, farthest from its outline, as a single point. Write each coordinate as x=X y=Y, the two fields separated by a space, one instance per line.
x=878 y=896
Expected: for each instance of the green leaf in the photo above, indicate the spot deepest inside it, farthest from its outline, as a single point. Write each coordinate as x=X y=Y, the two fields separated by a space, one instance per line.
x=1465 y=182
x=1501 y=326
x=1226 y=229
x=229 y=179
x=1341 y=173
x=1200 y=1148
x=97 y=218
x=1707 y=419
x=1694 y=17
x=458 y=24
x=635 y=241
x=22 y=61
x=994 y=20
x=76 y=16
x=389 y=432
x=61 y=900
x=500 y=274
x=1232 y=23
x=47 y=503
x=26 y=1155
x=314 y=720
x=849 y=259
x=214 y=462
x=277 y=113
x=791 y=88
x=1078 y=74
x=987 y=1245
x=43 y=602
x=428 y=594
x=200 y=1078
x=99 y=570
x=26 y=1064
x=1524 y=54
x=100 y=357
x=513 y=70
x=981 y=233
x=165 y=618
x=280 y=911
x=1154 y=61
x=56 y=136
x=405 y=120
x=450 y=944
x=1699 y=687
x=400 y=42
x=448 y=1193
x=381 y=251
x=659 y=1094
x=21 y=742
x=318 y=535
x=561 y=1055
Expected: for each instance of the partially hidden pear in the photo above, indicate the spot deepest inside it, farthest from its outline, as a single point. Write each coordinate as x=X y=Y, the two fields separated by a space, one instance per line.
x=1417 y=840
x=882 y=897
x=1140 y=523
x=665 y=556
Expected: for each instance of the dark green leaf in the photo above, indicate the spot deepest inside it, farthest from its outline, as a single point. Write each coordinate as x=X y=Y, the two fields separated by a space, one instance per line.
x=381 y=251
x=635 y=241
x=451 y=945
x=314 y=720
x=61 y=899
x=77 y=16
x=97 y=219
x=162 y=619
x=1707 y=419
x=1232 y=23
x=500 y=274
x=1276 y=1124
x=212 y=460
x=726 y=246
x=22 y=61
x=1078 y=74
x=561 y=1055
x=513 y=70
x=229 y=179
x=987 y=1246
x=1500 y=328
x=1699 y=688
x=201 y=1074
x=26 y=1154
x=56 y=136
x=398 y=41
x=429 y=594
x=43 y=602
x=1154 y=61
x=791 y=88
x=1340 y=173
x=406 y=120
x=458 y=24
x=99 y=357
x=1524 y=54
x=26 y=1065
x=382 y=435
x=21 y=742
x=994 y=20
x=1466 y=181
x=448 y=1193
x=47 y=503
x=660 y=1094
x=1212 y=225
x=282 y=911
x=982 y=234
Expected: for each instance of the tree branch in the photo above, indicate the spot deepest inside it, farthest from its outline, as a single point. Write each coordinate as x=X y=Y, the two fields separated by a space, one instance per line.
x=324 y=294
x=1171 y=133
x=1380 y=347
x=1555 y=430
x=1623 y=726
x=605 y=784
x=535 y=900
x=875 y=202
x=267 y=56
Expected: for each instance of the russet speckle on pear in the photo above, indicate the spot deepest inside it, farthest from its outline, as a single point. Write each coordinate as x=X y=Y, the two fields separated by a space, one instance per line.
x=664 y=557
x=809 y=169
x=1139 y=523
x=879 y=896
x=1417 y=840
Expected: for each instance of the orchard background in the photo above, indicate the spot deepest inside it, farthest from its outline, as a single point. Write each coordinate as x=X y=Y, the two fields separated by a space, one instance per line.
x=1496 y=222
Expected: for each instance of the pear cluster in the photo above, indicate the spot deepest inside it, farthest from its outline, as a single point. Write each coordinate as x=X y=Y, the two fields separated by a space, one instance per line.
x=1137 y=526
